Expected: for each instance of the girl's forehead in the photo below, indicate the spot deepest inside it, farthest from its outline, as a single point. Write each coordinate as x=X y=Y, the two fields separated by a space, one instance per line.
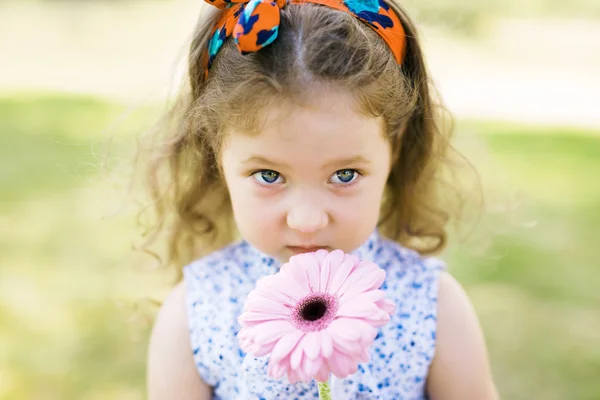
x=322 y=133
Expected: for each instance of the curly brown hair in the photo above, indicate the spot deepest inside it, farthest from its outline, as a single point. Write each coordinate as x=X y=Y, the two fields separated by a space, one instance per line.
x=315 y=46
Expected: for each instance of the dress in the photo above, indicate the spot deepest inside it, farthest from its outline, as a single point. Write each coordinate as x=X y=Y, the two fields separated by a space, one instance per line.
x=217 y=285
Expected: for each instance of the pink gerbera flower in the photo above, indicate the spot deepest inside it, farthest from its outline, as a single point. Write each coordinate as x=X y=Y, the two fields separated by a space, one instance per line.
x=317 y=315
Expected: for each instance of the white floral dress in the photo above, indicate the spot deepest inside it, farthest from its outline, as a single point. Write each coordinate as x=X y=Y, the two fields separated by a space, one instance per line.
x=217 y=285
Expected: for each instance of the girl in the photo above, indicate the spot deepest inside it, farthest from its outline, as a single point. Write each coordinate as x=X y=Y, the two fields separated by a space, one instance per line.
x=308 y=124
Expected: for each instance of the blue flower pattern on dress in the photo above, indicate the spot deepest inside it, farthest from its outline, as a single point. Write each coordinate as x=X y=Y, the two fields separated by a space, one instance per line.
x=218 y=284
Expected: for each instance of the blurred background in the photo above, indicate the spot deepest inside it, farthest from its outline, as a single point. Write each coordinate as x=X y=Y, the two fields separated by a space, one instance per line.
x=81 y=80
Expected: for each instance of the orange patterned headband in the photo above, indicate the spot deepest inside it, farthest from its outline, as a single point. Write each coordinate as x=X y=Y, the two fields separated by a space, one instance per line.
x=254 y=24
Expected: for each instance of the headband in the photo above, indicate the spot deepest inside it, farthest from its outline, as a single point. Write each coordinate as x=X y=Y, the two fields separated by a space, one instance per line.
x=254 y=24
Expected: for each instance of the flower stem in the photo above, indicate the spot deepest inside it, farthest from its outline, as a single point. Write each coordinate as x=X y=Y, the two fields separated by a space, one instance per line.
x=324 y=391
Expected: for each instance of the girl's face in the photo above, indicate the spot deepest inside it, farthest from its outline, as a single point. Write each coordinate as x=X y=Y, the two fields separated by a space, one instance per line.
x=312 y=178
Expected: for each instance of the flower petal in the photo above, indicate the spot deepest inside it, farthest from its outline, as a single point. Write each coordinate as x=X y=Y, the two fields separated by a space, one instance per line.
x=293 y=377
x=311 y=366
x=323 y=373
x=244 y=333
x=330 y=265
x=372 y=296
x=269 y=287
x=342 y=271
x=321 y=254
x=265 y=305
x=326 y=343
x=339 y=363
x=296 y=358
x=302 y=375
x=325 y=276
x=278 y=369
x=362 y=282
x=263 y=350
x=272 y=330
x=378 y=319
x=311 y=266
x=247 y=318
x=350 y=329
x=285 y=345
x=386 y=305
x=295 y=277
x=356 y=309
x=351 y=349
x=365 y=357
x=298 y=274
x=311 y=345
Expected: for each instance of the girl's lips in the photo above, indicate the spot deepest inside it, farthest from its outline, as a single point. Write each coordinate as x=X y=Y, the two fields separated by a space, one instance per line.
x=302 y=249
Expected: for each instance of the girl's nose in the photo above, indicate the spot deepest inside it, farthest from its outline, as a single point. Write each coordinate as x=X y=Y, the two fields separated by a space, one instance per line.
x=307 y=218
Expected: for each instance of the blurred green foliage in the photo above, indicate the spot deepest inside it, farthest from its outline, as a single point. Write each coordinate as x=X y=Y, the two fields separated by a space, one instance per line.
x=69 y=286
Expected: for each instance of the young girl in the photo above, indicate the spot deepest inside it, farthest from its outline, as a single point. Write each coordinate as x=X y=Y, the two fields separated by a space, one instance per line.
x=308 y=124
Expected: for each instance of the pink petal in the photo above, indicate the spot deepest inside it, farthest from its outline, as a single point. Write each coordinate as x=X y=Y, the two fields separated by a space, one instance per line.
x=325 y=276
x=263 y=350
x=278 y=369
x=365 y=357
x=321 y=255
x=298 y=274
x=355 y=309
x=247 y=318
x=285 y=345
x=311 y=367
x=269 y=287
x=293 y=377
x=281 y=298
x=361 y=270
x=311 y=345
x=272 y=330
x=386 y=305
x=339 y=363
x=244 y=333
x=323 y=373
x=262 y=304
x=365 y=265
x=329 y=264
x=326 y=343
x=363 y=282
x=350 y=329
x=372 y=296
x=352 y=349
x=311 y=266
x=296 y=358
x=295 y=276
x=245 y=345
x=353 y=367
x=289 y=286
x=342 y=271
x=378 y=319
x=302 y=375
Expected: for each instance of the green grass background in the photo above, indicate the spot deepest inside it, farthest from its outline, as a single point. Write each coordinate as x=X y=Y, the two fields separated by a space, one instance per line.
x=74 y=322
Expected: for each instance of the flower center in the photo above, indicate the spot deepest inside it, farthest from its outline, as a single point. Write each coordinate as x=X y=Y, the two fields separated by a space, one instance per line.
x=315 y=312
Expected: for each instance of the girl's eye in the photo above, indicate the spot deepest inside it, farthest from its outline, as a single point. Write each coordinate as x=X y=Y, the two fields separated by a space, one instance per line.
x=267 y=177
x=344 y=176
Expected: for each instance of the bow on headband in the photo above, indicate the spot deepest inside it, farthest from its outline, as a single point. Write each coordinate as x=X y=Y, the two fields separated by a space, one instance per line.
x=254 y=24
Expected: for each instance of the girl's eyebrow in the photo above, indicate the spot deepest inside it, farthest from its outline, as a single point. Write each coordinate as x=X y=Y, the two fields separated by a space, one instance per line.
x=254 y=159
x=354 y=160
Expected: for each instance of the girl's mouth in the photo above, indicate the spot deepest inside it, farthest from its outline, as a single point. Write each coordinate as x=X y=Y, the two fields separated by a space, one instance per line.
x=303 y=249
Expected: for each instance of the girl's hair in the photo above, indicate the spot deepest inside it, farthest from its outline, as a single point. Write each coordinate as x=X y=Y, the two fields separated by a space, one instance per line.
x=317 y=47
